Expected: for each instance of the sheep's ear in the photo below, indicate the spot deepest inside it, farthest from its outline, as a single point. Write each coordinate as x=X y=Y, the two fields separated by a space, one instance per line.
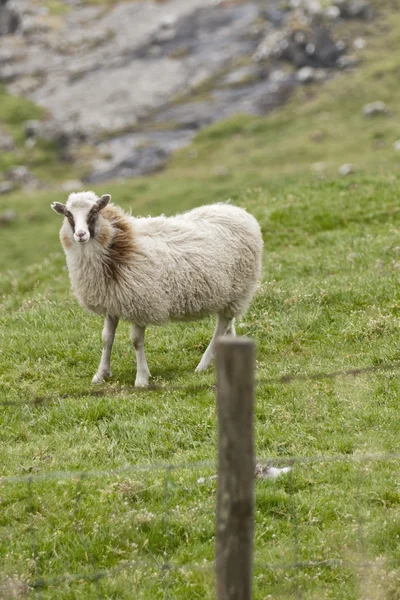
x=61 y=209
x=103 y=201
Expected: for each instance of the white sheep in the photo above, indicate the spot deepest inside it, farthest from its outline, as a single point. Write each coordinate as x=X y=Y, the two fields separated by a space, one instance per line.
x=151 y=270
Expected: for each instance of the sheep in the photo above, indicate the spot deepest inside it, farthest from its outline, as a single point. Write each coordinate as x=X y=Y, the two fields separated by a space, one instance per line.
x=151 y=270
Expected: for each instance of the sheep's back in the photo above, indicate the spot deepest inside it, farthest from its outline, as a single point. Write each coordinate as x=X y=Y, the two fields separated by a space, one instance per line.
x=208 y=260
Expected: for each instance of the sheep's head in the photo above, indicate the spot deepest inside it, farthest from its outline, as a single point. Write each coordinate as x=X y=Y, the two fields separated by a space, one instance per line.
x=82 y=211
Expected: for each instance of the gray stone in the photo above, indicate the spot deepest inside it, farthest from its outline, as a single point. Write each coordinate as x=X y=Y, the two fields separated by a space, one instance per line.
x=8 y=217
x=359 y=43
x=243 y=75
x=346 y=169
x=310 y=75
x=9 y=73
x=374 y=109
x=32 y=128
x=9 y=19
x=7 y=143
x=354 y=9
x=319 y=167
x=309 y=48
x=332 y=12
x=6 y=187
x=347 y=61
x=21 y=176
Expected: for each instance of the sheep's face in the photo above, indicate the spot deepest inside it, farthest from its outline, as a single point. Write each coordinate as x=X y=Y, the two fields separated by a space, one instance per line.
x=82 y=211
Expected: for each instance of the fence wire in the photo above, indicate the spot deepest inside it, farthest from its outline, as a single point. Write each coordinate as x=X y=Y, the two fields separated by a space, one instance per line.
x=166 y=567
x=207 y=387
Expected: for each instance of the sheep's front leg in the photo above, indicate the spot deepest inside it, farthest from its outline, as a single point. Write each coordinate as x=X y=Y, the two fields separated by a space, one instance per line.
x=108 y=335
x=142 y=370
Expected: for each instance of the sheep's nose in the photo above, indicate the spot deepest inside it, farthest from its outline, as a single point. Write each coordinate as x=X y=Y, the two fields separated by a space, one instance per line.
x=81 y=234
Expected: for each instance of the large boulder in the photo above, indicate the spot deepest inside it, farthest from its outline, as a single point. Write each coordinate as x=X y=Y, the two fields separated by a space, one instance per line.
x=9 y=18
x=303 y=47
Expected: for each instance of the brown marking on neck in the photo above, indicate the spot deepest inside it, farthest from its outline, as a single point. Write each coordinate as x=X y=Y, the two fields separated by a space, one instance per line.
x=65 y=239
x=119 y=240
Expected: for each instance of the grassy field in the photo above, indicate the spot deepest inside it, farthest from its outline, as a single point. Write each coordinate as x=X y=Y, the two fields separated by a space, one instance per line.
x=329 y=301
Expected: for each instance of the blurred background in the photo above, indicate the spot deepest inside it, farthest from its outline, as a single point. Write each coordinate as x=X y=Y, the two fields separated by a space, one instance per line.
x=97 y=90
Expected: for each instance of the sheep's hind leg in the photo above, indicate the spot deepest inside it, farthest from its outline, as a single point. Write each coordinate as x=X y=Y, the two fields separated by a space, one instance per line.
x=142 y=370
x=223 y=327
x=231 y=329
x=108 y=335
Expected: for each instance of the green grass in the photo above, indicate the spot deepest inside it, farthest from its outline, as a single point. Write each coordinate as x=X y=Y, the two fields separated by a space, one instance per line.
x=329 y=300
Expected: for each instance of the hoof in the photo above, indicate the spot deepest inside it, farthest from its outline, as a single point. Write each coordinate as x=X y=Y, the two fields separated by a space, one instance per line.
x=141 y=383
x=100 y=378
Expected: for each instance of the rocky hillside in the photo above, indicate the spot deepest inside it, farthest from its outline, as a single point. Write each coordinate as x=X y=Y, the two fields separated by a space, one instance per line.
x=120 y=86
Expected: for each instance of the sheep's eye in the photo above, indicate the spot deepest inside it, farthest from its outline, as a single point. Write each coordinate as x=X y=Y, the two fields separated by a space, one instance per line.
x=70 y=219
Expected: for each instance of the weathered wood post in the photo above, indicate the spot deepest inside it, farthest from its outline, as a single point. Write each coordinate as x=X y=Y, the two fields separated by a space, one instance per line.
x=234 y=525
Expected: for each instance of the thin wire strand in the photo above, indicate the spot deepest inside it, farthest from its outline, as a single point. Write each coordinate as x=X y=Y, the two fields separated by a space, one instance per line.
x=197 y=466
x=78 y=526
x=61 y=475
x=295 y=532
x=120 y=567
x=165 y=568
x=362 y=542
x=35 y=547
x=199 y=387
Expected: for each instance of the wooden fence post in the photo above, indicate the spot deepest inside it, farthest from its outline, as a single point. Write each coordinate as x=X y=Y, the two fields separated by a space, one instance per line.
x=234 y=525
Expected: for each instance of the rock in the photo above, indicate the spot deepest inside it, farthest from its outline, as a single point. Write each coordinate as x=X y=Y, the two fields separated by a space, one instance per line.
x=319 y=167
x=317 y=136
x=346 y=169
x=21 y=176
x=9 y=73
x=67 y=136
x=332 y=12
x=7 y=217
x=312 y=7
x=168 y=21
x=347 y=61
x=72 y=185
x=30 y=143
x=243 y=75
x=7 y=143
x=32 y=26
x=32 y=128
x=274 y=15
x=396 y=146
x=359 y=43
x=374 y=109
x=278 y=76
x=310 y=75
x=23 y=86
x=6 y=56
x=354 y=9
x=6 y=187
x=310 y=48
x=9 y=19
x=221 y=171
x=340 y=46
